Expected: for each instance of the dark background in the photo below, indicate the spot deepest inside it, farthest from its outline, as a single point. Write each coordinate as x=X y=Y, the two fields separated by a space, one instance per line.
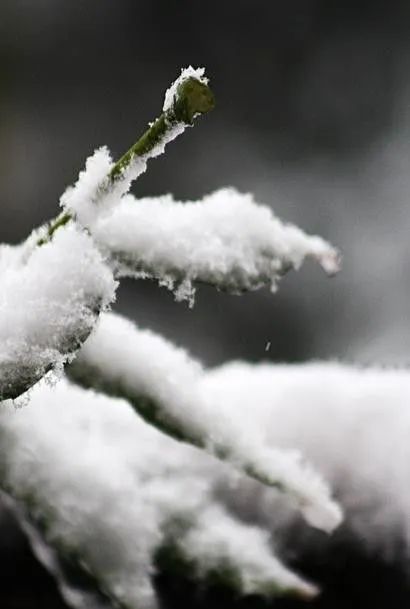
x=312 y=116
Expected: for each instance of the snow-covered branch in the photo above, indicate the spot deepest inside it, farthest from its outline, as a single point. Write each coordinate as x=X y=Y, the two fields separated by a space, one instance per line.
x=163 y=385
x=49 y=299
x=226 y=240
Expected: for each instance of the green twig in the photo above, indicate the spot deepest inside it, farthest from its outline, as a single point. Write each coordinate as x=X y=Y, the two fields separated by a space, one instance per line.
x=192 y=98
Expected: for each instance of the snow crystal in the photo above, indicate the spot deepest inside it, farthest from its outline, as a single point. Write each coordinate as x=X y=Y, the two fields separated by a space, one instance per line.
x=226 y=240
x=125 y=361
x=48 y=305
x=94 y=480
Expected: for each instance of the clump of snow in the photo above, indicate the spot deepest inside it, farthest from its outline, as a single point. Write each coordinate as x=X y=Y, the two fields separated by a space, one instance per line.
x=48 y=305
x=125 y=361
x=94 y=194
x=226 y=240
x=81 y=199
x=102 y=487
x=172 y=92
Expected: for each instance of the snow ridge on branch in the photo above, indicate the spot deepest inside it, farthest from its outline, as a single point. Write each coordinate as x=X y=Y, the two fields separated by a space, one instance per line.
x=226 y=240
x=163 y=385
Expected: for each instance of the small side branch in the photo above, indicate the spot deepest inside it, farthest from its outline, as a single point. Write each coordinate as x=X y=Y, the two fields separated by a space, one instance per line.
x=188 y=98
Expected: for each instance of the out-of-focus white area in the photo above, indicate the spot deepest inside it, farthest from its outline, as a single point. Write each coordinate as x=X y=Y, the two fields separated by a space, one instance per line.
x=352 y=423
x=97 y=484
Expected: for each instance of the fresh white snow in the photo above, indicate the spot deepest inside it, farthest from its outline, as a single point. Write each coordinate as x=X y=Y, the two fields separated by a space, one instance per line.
x=225 y=239
x=49 y=300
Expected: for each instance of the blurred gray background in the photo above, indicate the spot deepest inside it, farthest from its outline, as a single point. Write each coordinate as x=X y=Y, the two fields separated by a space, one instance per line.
x=312 y=116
